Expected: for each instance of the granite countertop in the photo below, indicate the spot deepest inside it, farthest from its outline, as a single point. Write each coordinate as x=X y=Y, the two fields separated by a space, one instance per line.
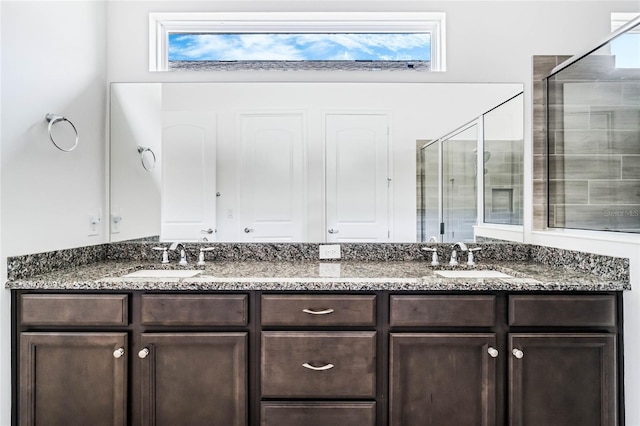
x=315 y=275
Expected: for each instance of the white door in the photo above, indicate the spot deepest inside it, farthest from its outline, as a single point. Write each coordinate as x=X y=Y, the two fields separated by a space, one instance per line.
x=357 y=177
x=272 y=184
x=188 y=176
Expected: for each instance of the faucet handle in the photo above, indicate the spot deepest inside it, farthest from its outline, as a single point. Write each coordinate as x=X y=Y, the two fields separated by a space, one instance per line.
x=201 y=255
x=470 y=260
x=434 y=255
x=165 y=254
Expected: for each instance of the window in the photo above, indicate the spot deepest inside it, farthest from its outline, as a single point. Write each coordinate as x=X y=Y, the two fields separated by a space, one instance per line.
x=626 y=47
x=208 y=41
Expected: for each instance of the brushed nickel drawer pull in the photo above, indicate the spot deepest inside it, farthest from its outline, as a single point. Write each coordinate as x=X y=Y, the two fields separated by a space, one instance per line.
x=323 y=368
x=312 y=312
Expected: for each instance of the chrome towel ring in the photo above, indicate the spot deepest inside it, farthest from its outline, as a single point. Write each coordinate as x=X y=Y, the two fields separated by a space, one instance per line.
x=148 y=165
x=55 y=118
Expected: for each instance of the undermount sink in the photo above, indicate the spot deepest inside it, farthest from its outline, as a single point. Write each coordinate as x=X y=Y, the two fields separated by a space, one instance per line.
x=163 y=273
x=480 y=273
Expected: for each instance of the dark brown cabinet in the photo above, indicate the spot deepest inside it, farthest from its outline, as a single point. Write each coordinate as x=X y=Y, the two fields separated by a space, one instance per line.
x=442 y=378
x=194 y=379
x=337 y=364
x=73 y=378
x=363 y=359
x=562 y=379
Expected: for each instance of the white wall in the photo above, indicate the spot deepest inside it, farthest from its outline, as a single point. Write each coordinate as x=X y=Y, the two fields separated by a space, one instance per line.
x=53 y=59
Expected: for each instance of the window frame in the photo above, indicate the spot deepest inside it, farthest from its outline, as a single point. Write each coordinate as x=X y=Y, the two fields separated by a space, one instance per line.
x=163 y=24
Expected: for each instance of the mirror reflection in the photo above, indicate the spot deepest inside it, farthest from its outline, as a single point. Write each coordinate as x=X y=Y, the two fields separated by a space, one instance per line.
x=480 y=160
x=288 y=162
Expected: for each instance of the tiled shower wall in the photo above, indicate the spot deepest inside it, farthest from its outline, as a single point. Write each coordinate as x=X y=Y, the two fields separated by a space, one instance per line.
x=594 y=146
x=542 y=66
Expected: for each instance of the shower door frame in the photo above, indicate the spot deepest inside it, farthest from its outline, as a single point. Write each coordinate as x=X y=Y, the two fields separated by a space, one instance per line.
x=479 y=122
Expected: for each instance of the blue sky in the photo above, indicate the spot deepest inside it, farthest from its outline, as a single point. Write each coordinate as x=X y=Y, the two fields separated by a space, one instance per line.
x=299 y=47
x=626 y=49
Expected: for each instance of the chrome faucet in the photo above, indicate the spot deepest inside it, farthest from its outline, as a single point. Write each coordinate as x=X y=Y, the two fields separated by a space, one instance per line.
x=183 y=253
x=454 y=253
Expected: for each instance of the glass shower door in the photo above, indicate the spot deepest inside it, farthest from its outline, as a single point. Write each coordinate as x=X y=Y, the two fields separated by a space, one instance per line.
x=460 y=184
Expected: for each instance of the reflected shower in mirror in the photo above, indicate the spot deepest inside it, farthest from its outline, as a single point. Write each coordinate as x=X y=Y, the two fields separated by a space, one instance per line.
x=286 y=162
x=480 y=160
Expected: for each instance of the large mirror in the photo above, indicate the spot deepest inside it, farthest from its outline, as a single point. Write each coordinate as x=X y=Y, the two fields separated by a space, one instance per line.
x=298 y=162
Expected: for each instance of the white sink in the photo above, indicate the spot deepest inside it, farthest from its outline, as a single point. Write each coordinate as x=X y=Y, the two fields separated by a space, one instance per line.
x=163 y=273
x=480 y=273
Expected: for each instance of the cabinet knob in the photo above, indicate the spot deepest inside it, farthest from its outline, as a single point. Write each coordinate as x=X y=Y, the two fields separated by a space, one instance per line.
x=118 y=353
x=517 y=353
x=323 y=368
x=143 y=353
x=333 y=231
x=493 y=352
x=248 y=230
x=312 y=312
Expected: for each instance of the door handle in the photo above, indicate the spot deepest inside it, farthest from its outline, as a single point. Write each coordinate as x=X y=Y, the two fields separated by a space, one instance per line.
x=247 y=230
x=333 y=231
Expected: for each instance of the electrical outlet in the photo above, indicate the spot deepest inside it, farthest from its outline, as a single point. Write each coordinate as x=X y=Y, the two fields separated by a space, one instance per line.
x=116 y=218
x=329 y=251
x=94 y=223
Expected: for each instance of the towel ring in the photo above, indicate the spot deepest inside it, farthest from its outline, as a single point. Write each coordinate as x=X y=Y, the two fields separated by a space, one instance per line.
x=142 y=150
x=53 y=119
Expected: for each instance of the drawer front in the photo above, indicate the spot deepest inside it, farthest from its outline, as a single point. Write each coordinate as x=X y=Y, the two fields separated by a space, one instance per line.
x=562 y=310
x=318 y=364
x=195 y=310
x=320 y=310
x=318 y=413
x=427 y=310
x=74 y=309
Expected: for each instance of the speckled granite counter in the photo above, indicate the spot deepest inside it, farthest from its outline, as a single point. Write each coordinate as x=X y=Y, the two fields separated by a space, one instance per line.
x=315 y=276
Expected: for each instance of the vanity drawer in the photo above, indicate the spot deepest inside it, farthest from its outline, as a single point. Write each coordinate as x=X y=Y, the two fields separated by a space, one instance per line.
x=437 y=311
x=318 y=413
x=318 y=364
x=562 y=310
x=320 y=310
x=195 y=310
x=74 y=309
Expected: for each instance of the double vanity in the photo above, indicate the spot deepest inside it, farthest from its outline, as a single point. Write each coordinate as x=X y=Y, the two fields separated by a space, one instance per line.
x=269 y=335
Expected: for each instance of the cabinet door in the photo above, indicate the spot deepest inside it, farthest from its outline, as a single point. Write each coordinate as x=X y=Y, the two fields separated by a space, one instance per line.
x=194 y=379
x=73 y=379
x=563 y=379
x=442 y=379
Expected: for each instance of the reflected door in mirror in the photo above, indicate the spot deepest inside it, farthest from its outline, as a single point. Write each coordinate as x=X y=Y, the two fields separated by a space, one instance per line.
x=188 y=175
x=272 y=191
x=357 y=176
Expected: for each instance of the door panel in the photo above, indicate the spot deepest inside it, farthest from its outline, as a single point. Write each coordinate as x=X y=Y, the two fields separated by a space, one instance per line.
x=194 y=379
x=188 y=176
x=272 y=195
x=73 y=379
x=357 y=177
x=442 y=379
x=563 y=379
